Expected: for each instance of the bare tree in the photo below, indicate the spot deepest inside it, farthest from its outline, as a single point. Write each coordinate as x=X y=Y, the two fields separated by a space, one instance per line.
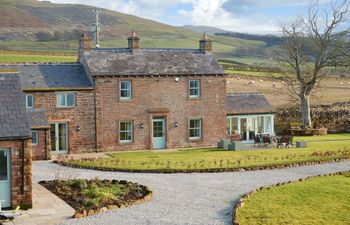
x=312 y=45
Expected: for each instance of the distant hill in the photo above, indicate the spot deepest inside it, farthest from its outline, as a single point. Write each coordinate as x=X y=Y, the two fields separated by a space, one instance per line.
x=206 y=29
x=42 y=25
x=42 y=21
x=270 y=40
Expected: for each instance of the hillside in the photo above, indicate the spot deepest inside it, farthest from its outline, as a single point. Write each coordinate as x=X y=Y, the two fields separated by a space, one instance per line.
x=42 y=25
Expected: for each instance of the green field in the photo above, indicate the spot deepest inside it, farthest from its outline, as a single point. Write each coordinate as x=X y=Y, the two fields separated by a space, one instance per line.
x=217 y=159
x=321 y=200
x=252 y=73
x=23 y=58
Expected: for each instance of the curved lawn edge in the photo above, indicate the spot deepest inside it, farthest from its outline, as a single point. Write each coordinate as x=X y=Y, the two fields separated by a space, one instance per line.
x=241 y=201
x=210 y=170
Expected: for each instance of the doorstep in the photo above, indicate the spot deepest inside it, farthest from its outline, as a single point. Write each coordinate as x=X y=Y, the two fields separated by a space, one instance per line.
x=47 y=209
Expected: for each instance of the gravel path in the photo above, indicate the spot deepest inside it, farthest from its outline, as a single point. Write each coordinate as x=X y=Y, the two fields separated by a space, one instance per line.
x=197 y=198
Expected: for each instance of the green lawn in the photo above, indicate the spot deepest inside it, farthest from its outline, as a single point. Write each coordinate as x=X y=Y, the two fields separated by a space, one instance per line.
x=329 y=137
x=21 y=57
x=213 y=159
x=321 y=200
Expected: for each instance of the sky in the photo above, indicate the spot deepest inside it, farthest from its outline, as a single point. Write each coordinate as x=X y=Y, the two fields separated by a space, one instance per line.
x=248 y=16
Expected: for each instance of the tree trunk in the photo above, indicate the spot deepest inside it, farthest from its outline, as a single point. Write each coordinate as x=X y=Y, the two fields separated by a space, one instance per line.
x=305 y=110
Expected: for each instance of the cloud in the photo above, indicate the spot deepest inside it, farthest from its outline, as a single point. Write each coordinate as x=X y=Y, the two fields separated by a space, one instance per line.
x=253 y=16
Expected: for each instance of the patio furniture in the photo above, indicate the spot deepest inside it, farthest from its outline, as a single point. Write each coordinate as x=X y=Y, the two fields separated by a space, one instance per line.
x=258 y=140
x=268 y=140
x=263 y=140
x=285 y=141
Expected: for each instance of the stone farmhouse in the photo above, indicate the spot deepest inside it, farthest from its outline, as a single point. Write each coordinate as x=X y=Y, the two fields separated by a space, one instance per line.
x=134 y=98
x=118 y=99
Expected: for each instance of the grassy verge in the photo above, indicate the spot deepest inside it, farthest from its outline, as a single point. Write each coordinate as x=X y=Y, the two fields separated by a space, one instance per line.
x=22 y=58
x=215 y=160
x=93 y=196
x=320 y=200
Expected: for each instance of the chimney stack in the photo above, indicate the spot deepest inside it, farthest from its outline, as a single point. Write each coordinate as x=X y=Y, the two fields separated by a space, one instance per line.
x=84 y=46
x=133 y=41
x=205 y=44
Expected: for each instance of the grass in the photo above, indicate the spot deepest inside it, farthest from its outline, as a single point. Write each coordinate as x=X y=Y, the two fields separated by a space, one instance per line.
x=212 y=159
x=253 y=73
x=321 y=200
x=21 y=57
x=329 y=137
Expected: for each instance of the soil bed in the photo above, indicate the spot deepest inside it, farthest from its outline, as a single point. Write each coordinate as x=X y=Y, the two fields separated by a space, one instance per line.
x=89 y=197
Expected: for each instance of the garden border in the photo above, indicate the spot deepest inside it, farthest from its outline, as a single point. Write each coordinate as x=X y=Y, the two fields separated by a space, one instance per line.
x=240 y=202
x=81 y=214
x=212 y=170
x=78 y=215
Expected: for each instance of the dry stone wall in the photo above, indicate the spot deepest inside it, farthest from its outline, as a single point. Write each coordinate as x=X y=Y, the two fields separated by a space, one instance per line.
x=335 y=117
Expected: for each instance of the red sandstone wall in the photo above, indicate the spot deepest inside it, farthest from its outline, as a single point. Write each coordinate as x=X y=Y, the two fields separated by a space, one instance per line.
x=42 y=151
x=19 y=198
x=152 y=93
x=82 y=114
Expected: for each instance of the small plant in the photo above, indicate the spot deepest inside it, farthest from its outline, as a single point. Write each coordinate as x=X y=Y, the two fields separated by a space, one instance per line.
x=79 y=184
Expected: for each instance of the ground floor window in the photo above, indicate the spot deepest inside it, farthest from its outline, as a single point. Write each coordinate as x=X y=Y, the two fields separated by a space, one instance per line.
x=34 y=137
x=195 y=129
x=125 y=131
x=250 y=125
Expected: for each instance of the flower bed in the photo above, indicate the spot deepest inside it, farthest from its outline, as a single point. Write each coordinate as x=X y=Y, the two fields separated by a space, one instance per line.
x=89 y=197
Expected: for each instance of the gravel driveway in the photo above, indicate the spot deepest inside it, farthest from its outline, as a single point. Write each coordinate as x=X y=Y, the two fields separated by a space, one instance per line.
x=197 y=198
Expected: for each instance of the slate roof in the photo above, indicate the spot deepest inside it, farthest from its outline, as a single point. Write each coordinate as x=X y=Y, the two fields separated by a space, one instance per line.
x=37 y=119
x=247 y=103
x=127 y=62
x=14 y=123
x=52 y=76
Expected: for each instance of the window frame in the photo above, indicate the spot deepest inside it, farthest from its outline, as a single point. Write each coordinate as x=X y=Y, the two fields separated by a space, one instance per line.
x=126 y=131
x=229 y=120
x=36 y=132
x=66 y=99
x=26 y=96
x=128 y=98
x=200 y=137
x=196 y=88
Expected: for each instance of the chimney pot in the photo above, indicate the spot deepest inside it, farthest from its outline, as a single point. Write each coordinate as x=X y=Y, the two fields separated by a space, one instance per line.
x=205 y=44
x=133 y=41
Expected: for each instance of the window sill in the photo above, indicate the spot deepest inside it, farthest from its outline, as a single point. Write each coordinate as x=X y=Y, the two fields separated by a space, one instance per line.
x=65 y=107
x=195 y=139
x=125 y=143
x=194 y=98
x=125 y=100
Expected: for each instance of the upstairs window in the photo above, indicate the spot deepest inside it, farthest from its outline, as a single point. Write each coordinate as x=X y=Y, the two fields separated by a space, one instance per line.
x=66 y=100
x=125 y=132
x=195 y=129
x=29 y=101
x=194 y=88
x=125 y=90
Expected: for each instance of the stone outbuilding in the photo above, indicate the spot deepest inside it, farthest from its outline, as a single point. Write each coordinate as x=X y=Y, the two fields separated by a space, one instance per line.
x=15 y=145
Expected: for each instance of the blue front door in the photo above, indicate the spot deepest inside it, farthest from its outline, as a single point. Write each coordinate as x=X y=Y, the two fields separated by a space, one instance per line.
x=158 y=133
x=5 y=178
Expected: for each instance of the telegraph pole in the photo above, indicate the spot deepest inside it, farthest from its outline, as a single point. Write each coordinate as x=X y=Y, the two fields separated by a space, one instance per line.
x=96 y=28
